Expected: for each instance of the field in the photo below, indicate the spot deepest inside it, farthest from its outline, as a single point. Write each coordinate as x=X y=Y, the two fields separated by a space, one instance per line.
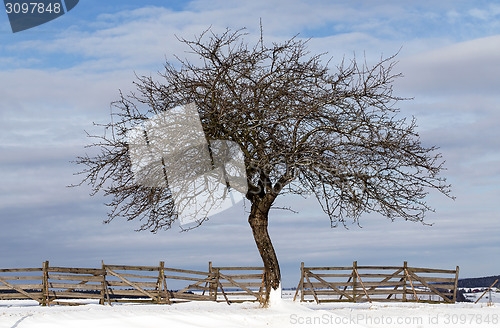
x=282 y=313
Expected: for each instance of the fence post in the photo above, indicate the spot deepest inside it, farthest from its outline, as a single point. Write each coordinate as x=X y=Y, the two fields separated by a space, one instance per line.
x=354 y=280
x=103 y=285
x=211 y=284
x=45 y=284
x=303 y=273
x=405 y=266
x=456 y=283
x=300 y=287
x=162 y=283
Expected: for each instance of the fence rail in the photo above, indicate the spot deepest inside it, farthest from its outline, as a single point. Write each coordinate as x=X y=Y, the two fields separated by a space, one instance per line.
x=377 y=283
x=124 y=283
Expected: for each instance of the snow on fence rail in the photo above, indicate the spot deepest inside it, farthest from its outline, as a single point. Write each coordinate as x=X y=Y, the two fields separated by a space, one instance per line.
x=124 y=283
x=373 y=283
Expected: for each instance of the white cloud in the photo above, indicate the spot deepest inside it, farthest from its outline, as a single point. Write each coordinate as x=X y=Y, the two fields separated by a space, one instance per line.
x=469 y=67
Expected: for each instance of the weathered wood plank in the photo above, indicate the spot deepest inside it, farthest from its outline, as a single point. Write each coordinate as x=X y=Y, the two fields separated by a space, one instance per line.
x=131 y=300
x=381 y=275
x=426 y=270
x=380 y=284
x=24 y=286
x=439 y=279
x=443 y=286
x=333 y=275
x=57 y=294
x=374 y=268
x=246 y=284
x=326 y=268
x=238 y=300
x=191 y=296
x=127 y=284
x=428 y=292
x=187 y=278
x=131 y=292
x=22 y=278
x=245 y=276
x=75 y=277
x=219 y=286
x=139 y=276
x=381 y=300
x=333 y=300
x=132 y=267
x=68 y=303
x=372 y=285
x=336 y=284
x=240 y=293
x=22 y=270
x=384 y=292
x=238 y=268
x=19 y=296
x=95 y=272
x=362 y=284
x=194 y=272
x=312 y=288
x=359 y=292
x=74 y=286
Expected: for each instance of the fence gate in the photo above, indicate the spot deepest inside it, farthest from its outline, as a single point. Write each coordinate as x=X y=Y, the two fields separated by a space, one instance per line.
x=62 y=286
x=372 y=283
x=238 y=284
x=136 y=284
x=196 y=285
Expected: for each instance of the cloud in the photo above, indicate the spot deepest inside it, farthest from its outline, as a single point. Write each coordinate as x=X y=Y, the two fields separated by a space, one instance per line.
x=456 y=104
x=470 y=67
x=139 y=38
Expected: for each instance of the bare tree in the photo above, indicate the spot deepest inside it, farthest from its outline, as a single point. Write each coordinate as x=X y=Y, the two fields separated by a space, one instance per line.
x=304 y=128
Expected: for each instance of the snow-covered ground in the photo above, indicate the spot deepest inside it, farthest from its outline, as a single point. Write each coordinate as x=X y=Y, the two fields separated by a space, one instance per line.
x=494 y=294
x=286 y=313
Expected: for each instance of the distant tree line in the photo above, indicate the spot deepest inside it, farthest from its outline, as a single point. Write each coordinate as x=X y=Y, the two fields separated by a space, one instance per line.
x=478 y=282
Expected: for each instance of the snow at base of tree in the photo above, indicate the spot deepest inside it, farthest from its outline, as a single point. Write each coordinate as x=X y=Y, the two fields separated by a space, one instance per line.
x=275 y=297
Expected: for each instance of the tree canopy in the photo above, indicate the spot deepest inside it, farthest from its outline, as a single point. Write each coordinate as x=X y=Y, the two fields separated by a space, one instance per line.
x=303 y=127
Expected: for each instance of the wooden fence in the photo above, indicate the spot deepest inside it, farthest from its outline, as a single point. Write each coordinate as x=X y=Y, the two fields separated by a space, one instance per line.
x=123 y=283
x=150 y=284
x=372 y=283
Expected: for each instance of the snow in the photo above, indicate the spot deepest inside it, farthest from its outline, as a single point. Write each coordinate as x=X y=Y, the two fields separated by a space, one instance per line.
x=281 y=313
x=275 y=298
x=494 y=294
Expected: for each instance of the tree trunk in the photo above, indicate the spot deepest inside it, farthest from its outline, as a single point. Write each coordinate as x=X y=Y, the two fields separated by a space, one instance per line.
x=258 y=220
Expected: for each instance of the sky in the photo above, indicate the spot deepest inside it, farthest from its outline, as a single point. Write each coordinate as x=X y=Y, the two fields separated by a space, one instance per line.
x=60 y=77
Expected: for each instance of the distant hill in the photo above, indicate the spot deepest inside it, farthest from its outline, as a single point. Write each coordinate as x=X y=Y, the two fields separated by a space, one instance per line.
x=478 y=282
